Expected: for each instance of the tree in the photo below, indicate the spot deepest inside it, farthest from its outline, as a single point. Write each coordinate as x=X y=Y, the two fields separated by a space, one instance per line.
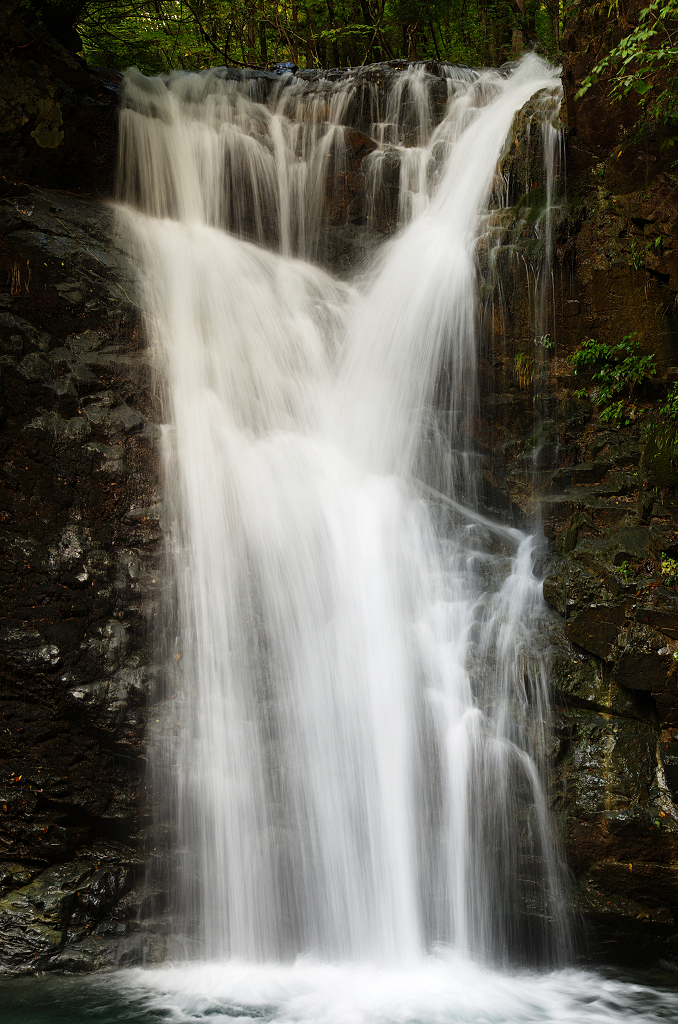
x=644 y=63
x=158 y=35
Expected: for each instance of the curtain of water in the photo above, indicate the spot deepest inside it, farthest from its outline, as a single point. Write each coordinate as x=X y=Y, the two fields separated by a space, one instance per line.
x=519 y=286
x=359 y=707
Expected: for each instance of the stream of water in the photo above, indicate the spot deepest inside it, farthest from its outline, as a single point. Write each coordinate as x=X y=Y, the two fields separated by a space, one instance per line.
x=354 y=723
x=440 y=990
x=359 y=712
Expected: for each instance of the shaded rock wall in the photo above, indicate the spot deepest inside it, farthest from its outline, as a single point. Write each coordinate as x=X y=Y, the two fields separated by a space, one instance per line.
x=58 y=117
x=610 y=510
x=79 y=534
x=608 y=505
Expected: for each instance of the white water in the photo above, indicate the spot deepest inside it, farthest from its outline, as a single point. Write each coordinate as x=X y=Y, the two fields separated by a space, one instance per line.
x=439 y=990
x=353 y=729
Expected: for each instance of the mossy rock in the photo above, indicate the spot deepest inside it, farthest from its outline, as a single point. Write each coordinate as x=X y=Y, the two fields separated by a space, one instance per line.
x=659 y=467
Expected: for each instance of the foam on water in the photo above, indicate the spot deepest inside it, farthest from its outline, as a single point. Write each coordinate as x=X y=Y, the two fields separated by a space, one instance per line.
x=439 y=990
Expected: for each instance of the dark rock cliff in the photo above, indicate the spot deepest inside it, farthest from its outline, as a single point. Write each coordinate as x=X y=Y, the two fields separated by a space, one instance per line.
x=608 y=506
x=611 y=512
x=58 y=117
x=79 y=524
x=79 y=532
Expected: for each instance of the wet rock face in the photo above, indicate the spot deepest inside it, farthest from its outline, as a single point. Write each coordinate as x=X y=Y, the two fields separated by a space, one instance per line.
x=58 y=117
x=610 y=512
x=608 y=507
x=617 y=704
x=79 y=534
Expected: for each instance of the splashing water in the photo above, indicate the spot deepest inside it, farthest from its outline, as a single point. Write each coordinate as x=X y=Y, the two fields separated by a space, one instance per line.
x=440 y=990
x=354 y=747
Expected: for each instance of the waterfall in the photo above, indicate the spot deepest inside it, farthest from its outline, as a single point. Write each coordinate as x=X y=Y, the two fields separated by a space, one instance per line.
x=355 y=711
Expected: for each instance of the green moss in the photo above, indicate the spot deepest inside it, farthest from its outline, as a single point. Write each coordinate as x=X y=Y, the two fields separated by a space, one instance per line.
x=660 y=466
x=48 y=133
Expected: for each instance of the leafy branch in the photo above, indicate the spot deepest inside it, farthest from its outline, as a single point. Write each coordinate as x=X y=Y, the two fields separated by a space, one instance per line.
x=618 y=369
x=645 y=63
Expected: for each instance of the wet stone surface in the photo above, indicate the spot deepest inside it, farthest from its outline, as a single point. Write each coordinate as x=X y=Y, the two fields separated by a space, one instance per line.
x=608 y=507
x=79 y=535
x=612 y=528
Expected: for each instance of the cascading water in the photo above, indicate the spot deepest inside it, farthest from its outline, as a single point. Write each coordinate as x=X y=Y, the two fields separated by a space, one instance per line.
x=358 y=709
x=518 y=283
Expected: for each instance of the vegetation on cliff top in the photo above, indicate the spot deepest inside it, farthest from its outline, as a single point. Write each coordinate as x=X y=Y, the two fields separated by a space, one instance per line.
x=644 y=63
x=163 y=34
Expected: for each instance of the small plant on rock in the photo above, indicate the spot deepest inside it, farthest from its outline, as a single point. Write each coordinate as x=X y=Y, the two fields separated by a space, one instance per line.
x=636 y=257
x=617 y=369
x=625 y=571
x=523 y=370
x=665 y=432
x=669 y=570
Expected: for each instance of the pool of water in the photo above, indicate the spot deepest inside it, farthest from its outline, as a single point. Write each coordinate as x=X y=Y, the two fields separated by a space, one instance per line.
x=439 y=990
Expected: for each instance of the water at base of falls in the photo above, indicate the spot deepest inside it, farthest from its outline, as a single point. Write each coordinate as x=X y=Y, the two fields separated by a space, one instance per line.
x=437 y=991
x=350 y=749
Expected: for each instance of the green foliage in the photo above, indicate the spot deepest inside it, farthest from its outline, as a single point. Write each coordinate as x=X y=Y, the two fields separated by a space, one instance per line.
x=636 y=258
x=545 y=342
x=614 y=414
x=625 y=571
x=618 y=369
x=158 y=35
x=167 y=34
x=668 y=409
x=665 y=432
x=669 y=570
x=645 y=64
x=523 y=370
